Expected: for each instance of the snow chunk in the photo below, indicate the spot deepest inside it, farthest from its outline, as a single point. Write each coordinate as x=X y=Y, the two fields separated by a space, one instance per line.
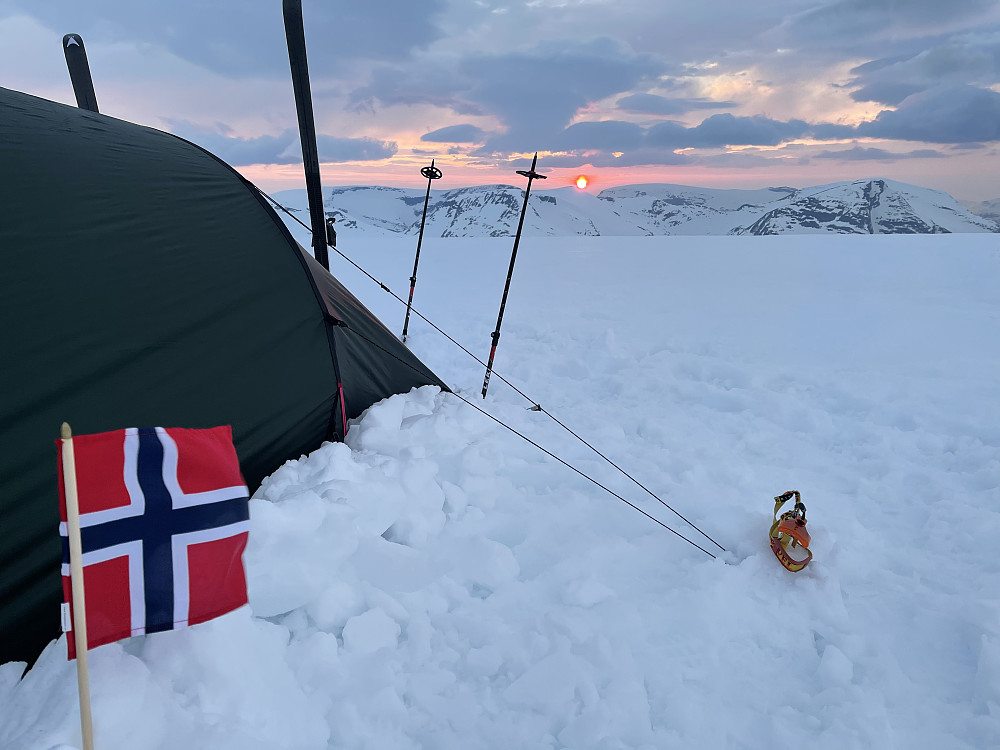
x=371 y=631
x=834 y=668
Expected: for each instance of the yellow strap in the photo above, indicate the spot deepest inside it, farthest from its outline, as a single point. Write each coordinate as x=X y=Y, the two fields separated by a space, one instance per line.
x=774 y=526
x=778 y=502
x=783 y=557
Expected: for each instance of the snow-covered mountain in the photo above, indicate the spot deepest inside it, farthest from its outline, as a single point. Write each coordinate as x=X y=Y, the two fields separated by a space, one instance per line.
x=987 y=209
x=678 y=209
x=480 y=211
x=871 y=206
x=867 y=207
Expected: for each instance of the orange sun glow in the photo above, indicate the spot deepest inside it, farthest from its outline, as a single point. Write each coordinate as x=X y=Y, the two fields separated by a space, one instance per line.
x=581 y=182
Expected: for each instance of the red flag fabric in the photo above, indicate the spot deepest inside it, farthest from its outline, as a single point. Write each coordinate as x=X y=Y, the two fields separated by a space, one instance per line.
x=164 y=518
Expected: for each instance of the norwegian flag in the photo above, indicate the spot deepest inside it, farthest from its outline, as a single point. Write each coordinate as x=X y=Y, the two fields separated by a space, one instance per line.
x=164 y=518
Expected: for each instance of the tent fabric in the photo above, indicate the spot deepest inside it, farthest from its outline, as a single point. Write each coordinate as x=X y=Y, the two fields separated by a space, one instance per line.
x=146 y=283
x=367 y=370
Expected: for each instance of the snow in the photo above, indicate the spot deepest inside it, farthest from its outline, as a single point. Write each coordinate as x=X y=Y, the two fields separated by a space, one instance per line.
x=861 y=207
x=438 y=582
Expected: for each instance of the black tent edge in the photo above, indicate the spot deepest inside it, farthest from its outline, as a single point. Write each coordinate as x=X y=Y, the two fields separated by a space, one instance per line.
x=293 y=244
x=335 y=431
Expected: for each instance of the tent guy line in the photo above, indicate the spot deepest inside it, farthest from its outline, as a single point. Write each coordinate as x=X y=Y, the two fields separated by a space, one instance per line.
x=557 y=458
x=535 y=405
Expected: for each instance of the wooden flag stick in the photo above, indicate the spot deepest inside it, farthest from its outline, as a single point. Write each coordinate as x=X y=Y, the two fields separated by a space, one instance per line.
x=76 y=579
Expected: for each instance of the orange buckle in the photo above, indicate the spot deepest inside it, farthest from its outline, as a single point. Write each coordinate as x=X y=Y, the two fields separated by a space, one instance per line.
x=795 y=528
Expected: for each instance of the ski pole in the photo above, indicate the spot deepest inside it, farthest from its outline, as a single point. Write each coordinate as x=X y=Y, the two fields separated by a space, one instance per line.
x=531 y=174
x=295 y=37
x=431 y=173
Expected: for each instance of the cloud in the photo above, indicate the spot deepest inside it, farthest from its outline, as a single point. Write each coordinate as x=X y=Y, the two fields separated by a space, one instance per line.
x=758 y=130
x=886 y=92
x=455 y=134
x=657 y=144
x=873 y=66
x=831 y=131
x=954 y=59
x=652 y=104
x=239 y=152
x=742 y=160
x=249 y=40
x=532 y=92
x=284 y=148
x=334 y=149
x=610 y=135
x=873 y=19
x=727 y=130
x=859 y=153
x=427 y=83
x=532 y=71
x=536 y=93
x=961 y=114
x=603 y=160
x=944 y=115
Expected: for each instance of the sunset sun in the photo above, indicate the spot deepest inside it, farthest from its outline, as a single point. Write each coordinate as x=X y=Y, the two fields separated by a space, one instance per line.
x=581 y=182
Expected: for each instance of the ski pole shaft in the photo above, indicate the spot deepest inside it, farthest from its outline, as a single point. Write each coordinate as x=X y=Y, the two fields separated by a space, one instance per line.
x=431 y=173
x=531 y=175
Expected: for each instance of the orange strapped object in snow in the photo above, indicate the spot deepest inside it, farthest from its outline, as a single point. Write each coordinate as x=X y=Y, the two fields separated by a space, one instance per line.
x=788 y=533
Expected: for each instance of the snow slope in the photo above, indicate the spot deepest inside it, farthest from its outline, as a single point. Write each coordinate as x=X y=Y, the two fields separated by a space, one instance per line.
x=987 y=209
x=440 y=583
x=480 y=211
x=872 y=206
x=677 y=209
x=867 y=207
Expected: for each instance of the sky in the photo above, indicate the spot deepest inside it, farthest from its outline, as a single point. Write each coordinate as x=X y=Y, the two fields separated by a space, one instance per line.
x=723 y=94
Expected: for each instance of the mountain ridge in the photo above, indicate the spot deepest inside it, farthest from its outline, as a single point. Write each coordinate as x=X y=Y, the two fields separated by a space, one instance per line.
x=986 y=209
x=866 y=206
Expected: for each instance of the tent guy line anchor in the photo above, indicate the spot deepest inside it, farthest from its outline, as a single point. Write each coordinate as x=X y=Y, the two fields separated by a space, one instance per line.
x=513 y=387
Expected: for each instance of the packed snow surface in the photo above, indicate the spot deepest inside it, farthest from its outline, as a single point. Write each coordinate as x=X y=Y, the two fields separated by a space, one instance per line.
x=439 y=583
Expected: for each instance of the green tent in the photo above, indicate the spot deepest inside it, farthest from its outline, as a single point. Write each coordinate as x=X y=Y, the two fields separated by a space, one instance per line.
x=146 y=283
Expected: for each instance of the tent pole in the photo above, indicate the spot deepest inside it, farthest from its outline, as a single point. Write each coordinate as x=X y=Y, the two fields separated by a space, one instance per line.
x=296 y=39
